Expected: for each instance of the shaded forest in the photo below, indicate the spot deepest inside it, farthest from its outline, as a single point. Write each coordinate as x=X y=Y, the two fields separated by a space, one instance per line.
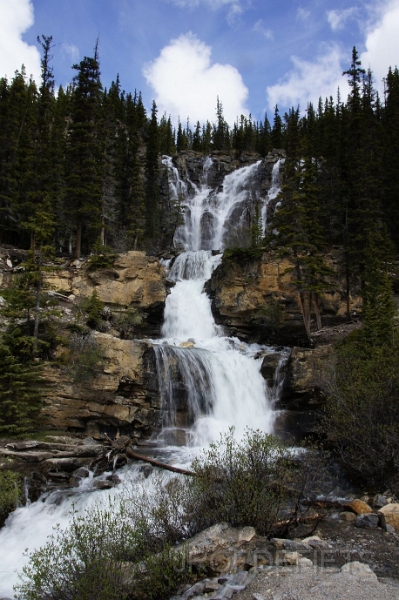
x=80 y=169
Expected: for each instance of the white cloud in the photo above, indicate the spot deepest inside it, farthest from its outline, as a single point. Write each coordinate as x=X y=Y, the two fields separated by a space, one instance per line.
x=16 y=17
x=382 y=42
x=70 y=51
x=265 y=31
x=339 y=18
x=187 y=84
x=235 y=7
x=214 y=4
x=307 y=81
x=303 y=14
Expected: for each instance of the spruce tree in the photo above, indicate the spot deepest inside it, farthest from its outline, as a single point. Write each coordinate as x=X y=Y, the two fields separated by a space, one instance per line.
x=83 y=154
x=20 y=394
x=152 y=210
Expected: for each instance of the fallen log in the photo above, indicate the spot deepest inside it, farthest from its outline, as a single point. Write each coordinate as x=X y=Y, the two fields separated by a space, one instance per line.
x=156 y=463
x=323 y=503
x=305 y=519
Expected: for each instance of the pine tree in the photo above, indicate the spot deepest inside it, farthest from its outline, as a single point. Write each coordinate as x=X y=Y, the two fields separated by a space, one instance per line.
x=296 y=232
x=390 y=121
x=152 y=177
x=277 y=130
x=20 y=394
x=83 y=153
x=220 y=137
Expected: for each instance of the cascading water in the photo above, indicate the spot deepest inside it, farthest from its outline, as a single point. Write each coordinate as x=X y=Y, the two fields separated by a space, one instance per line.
x=218 y=368
x=273 y=192
x=219 y=375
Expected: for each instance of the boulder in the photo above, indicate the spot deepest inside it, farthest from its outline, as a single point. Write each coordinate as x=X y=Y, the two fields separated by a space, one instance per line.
x=359 y=570
x=358 y=506
x=220 y=548
x=348 y=516
x=369 y=520
x=391 y=515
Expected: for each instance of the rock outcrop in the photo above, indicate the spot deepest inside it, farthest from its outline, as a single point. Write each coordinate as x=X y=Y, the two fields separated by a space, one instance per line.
x=134 y=281
x=254 y=294
x=121 y=398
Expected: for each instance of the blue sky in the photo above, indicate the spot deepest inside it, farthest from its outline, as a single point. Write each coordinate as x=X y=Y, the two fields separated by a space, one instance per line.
x=184 y=53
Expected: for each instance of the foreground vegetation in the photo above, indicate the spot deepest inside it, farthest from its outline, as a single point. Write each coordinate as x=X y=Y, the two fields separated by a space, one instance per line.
x=129 y=548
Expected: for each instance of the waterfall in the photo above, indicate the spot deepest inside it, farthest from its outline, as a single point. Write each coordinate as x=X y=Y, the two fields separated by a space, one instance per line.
x=273 y=192
x=217 y=377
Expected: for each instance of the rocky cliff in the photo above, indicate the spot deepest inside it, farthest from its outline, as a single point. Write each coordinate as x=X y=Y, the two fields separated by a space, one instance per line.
x=135 y=281
x=254 y=294
x=121 y=398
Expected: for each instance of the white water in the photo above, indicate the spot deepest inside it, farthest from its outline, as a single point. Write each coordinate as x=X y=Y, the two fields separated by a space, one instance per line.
x=220 y=375
x=273 y=192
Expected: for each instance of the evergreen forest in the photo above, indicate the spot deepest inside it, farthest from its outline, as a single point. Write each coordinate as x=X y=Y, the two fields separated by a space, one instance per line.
x=80 y=167
x=80 y=174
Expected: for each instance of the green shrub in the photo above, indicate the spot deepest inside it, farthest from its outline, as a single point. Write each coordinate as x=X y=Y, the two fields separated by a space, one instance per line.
x=103 y=257
x=270 y=318
x=94 y=308
x=256 y=481
x=127 y=322
x=84 y=357
x=10 y=493
x=103 y=555
x=361 y=419
x=247 y=482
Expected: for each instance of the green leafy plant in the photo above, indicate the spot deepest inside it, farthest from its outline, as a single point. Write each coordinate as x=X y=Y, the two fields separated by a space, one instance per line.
x=103 y=257
x=84 y=357
x=94 y=308
x=127 y=322
x=255 y=481
x=361 y=418
x=10 y=493
x=270 y=318
x=103 y=555
x=243 y=482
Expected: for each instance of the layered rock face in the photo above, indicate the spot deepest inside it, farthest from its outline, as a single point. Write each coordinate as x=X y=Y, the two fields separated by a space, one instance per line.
x=122 y=398
x=134 y=281
x=254 y=294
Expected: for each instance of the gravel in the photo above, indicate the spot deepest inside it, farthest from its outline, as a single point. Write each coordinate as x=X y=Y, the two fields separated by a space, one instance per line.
x=315 y=583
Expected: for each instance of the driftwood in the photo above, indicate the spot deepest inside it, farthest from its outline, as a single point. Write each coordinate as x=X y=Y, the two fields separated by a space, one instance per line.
x=156 y=463
x=305 y=519
x=323 y=503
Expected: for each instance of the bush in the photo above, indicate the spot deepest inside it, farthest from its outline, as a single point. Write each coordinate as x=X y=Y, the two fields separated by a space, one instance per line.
x=103 y=555
x=103 y=257
x=361 y=420
x=256 y=481
x=84 y=357
x=94 y=309
x=126 y=322
x=10 y=493
x=249 y=482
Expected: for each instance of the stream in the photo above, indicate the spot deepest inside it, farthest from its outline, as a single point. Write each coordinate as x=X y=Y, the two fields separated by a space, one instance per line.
x=221 y=374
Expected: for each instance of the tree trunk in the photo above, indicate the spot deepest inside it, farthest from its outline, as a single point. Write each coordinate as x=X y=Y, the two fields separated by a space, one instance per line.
x=37 y=308
x=317 y=310
x=78 y=247
x=156 y=463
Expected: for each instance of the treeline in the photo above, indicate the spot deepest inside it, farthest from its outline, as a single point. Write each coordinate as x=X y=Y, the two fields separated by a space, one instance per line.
x=341 y=188
x=80 y=166
x=79 y=169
